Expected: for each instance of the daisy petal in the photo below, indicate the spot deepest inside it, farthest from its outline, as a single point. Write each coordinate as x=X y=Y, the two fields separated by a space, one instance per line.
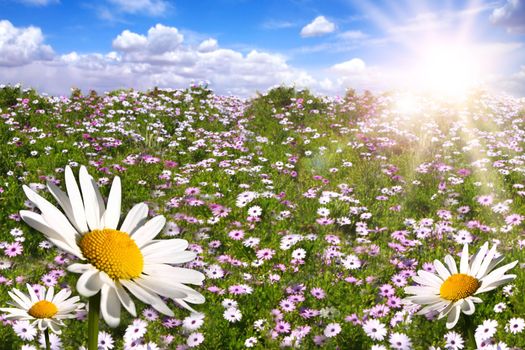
x=453 y=316
x=75 y=198
x=91 y=202
x=136 y=218
x=89 y=283
x=463 y=265
x=125 y=299
x=109 y=306
x=112 y=215
x=150 y=229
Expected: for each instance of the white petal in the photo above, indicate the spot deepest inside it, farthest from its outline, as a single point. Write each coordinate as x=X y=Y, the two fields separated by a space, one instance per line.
x=112 y=215
x=50 y=293
x=15 y=313
x=463 y=265
x=63 y=200
x=453 y=316
x=64 y=242
x=193 y=297
x=431 y=278
x=89 y=283
x=418 y=290
x=59 y=298
x=79 y=268
x=486 y=287
x=20 y=298
x=160 y=287
x=136 y=218
x=468 y=307
x=34 y=297
x=496 y=274
x=109 y=306
x=125 y=299
x=174 y=245
x=150 y=230
x=441 y=269
x=478 y=259
x=423 y=300
x=147 y=297
x=485 y=263
x=425 y=282
x=176 y=274
x=451 y=263
x=91 y=201
x=182 y=303
x=52 y=216
x=75 y=198
x=169 y=251
x=437 y=306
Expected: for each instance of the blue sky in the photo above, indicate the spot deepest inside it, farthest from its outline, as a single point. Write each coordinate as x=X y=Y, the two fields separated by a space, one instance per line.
x=242 y=46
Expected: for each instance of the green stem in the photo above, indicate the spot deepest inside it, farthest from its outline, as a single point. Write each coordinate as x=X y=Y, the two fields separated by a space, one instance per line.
x=93 y=316
x=468 y=328
x=46 y=338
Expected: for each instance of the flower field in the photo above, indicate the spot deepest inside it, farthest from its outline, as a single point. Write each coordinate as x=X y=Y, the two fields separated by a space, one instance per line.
x=315 y=222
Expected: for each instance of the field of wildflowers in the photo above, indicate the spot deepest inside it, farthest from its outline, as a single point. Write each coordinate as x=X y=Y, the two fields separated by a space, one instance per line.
x=337 y=223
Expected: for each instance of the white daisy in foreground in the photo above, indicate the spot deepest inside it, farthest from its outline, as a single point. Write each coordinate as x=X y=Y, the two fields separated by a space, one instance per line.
x=116 y=260
x=450 y=292
x=46 y=310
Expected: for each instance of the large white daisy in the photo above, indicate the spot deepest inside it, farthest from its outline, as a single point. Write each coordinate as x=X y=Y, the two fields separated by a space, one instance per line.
x=116 y=261
x=450 y=292
x=46 y=309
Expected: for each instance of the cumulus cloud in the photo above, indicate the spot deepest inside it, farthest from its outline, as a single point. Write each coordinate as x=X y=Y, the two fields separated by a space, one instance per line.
x=511 y=15
x=160 y=39
x=319 y=26
x=129 y=41
x=150 y=7
x=19 y=46
x=208 y=45
x=159 y=58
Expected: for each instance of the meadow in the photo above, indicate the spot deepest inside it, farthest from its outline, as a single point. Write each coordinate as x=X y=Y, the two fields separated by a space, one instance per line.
x=308 y=215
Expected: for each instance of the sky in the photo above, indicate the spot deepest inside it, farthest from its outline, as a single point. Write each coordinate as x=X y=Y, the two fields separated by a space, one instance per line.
x=243 y=47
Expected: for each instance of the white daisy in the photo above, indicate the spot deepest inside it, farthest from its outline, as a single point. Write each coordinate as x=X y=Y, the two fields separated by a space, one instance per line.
x=115 y=260
x=486 y=330
x=515 y=325
x=375 y=329
x=45 y=309
x=450 y=292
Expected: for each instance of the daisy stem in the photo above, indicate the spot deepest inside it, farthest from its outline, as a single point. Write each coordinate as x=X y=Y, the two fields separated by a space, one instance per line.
x=93 y=316
x=469 y=330
x=46 y=338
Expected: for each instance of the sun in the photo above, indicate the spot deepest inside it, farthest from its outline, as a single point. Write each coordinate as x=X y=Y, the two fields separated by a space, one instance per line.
x=447 y=70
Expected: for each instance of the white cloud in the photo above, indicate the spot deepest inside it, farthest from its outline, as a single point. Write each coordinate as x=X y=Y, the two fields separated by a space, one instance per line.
x=355 y=65
x=159 y=58
x=319 y=26
x=163 y=39
x=150 y=7
x=511 y=15
x=160 y=39
x=208 y=45
x=19 y=46
x=129 y=41
x=352 y=35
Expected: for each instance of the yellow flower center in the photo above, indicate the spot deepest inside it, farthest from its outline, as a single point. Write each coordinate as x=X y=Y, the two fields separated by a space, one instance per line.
x=43 y=309
x=113 y=252
x=458 y=286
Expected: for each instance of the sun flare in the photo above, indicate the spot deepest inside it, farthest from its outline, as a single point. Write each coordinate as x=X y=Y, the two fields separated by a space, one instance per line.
x=447 y=70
